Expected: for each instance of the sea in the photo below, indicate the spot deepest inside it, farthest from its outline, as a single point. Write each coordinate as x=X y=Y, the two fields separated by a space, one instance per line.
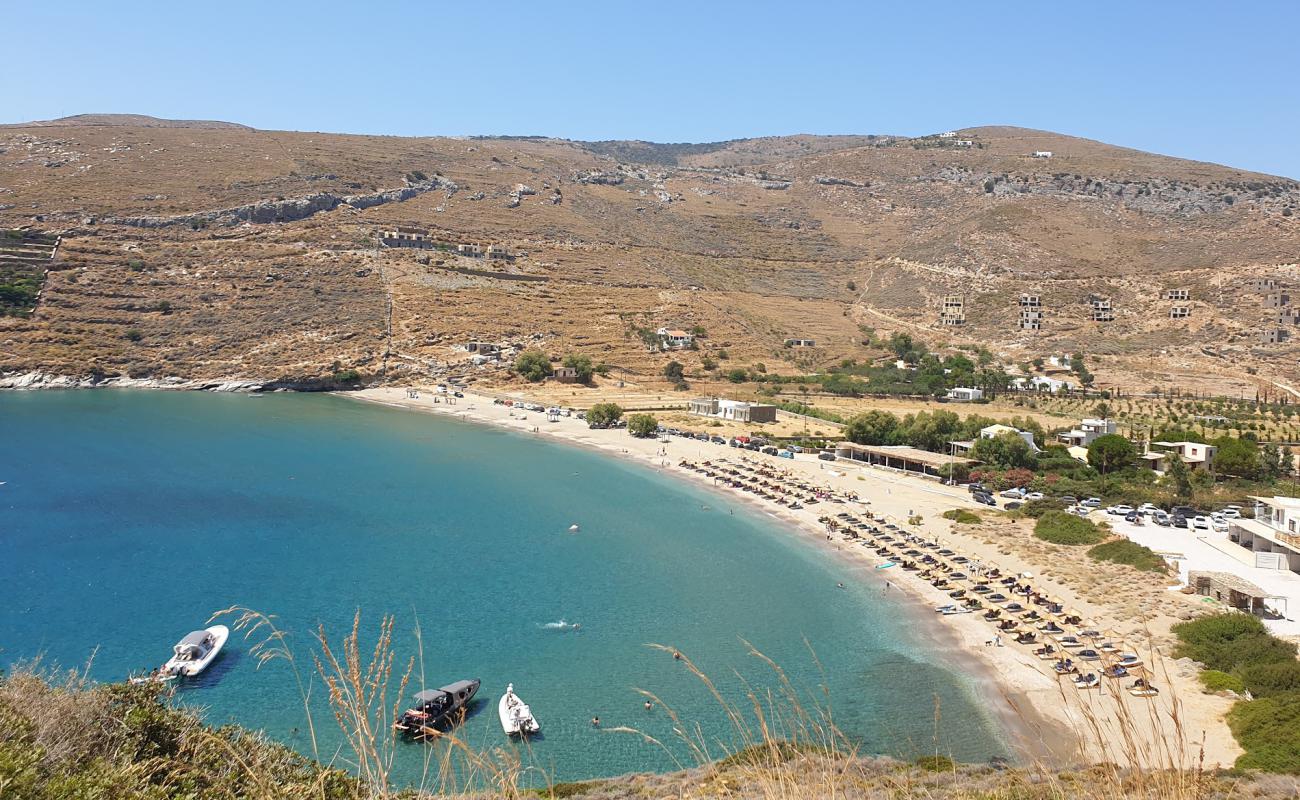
x=128 y=518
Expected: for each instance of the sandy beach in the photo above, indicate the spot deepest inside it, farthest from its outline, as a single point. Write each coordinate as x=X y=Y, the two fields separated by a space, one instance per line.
x=1046 y=717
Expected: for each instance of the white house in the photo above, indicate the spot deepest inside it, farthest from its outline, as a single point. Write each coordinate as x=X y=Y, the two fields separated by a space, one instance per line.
x=1196 y=455
x=964 y=143
x=1089 y=431
x=1273 y=535
x=948 y=135
x=735 y=410
x=993 y=431
x=673 y=339
x=1042 y=154
x=965 y=394
x=1042 y=383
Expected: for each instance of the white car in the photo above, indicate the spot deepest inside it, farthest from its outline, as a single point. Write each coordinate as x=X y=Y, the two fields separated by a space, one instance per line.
x=1014 y=494
x=1092 y=502
x=1231 y=512
x=1200 y=523
x=1034 y=496
x=1120 y=510
x=1146 y=509
x=1220 y=526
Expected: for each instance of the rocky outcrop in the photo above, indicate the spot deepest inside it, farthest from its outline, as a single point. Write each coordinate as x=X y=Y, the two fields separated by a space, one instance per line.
x=831 y=180
x=288 y=210
x=43 y=380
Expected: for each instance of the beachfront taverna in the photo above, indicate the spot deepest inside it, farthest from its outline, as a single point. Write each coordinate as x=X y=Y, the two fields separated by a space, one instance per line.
x=1273 y=536
x=734 y=410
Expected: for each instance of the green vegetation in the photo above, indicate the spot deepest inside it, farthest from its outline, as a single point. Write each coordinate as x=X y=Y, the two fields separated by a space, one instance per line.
x=642 y=425
x=1238 y=646
x=935 y=763
x=676 y=373
x=602 y=415
x=1111 y=452
x=581 y=364
x=962 y=516
x=1059 y=527
x=1123 y=551
x=122 y=741
x=533 y=365
x=808 y=411
x=346 y=376
x=1007 y=450
x=1215 y=681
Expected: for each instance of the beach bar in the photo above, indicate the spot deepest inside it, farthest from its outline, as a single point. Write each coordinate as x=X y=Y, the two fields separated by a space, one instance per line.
x=901 y=457
x=1236 y=592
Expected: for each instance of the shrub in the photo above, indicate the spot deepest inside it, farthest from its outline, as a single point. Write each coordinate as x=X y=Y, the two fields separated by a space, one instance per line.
x=1268 y=730
x=1123 y=551
x=962 y=516
x=1037 y=508
x=1269 y=679
x=1215 y=681
x=347 y=376
x=935 y=763
x=134 y=336
x=1059 y=527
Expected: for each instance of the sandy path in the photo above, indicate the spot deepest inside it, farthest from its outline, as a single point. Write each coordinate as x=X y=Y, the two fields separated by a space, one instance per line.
x=1039 y=709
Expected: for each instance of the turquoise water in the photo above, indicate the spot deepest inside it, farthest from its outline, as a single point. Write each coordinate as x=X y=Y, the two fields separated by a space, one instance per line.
x=127 y=518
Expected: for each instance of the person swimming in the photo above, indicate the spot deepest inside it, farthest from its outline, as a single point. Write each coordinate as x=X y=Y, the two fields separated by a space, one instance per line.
x=562 y=625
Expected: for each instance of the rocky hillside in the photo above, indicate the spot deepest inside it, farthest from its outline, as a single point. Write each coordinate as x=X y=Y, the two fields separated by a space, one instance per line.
x=212 y=251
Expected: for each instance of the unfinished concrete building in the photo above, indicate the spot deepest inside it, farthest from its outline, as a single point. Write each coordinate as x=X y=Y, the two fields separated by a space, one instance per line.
x=1176 y=294
x=1264 y=284
x=1180 y=312
x=1102 y=311
x=1031 y=312
x=1276 y=300
x=953 y=311
x=1273 y=336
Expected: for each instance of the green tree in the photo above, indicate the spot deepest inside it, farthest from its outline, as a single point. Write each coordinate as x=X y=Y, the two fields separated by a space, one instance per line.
x=872 y=427
x=582 y=364
x=1237 y=457
x=642 y=425
x=602 y=415
x=533 y=365
x=674 y=372
x=1178 y=478
x=738 y=375
x=1006 y=450
x=1110 y=452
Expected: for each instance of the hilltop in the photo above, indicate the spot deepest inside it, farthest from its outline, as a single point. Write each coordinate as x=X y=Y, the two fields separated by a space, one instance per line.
x=124 y=121
x=208 y=250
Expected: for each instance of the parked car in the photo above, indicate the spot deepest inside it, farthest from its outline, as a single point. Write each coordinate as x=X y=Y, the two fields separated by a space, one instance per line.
x=1133 y=516
x=1147 y=508
x=976 y=487
x=1092 y=502
x=1178 y=521
x=1014 y=494
x=1231 y=513
x=769 y=450
x=1120 y=510
x=717 y=440
x=1201 y=523
x=826 y=456
x=1219 y=525
x=1160 y=518
x=1068 y=499
x=1012 y=506
x=785 y=454
x=986 y=499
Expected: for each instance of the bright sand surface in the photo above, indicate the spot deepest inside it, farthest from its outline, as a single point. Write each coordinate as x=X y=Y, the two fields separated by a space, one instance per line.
x=1181 y=726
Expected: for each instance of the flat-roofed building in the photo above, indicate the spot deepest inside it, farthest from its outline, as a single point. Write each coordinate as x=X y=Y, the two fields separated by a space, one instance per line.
x=1198 y=456
x=1089 y=430
x=733 y=410
x=1273 y=535
x=900 y=457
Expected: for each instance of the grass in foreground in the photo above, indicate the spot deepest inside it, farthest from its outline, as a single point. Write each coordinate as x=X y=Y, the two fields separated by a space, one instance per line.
x=1124 y=551
x=1058 y=527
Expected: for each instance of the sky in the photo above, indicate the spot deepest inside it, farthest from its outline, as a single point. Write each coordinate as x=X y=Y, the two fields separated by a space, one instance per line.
x=1212 y=81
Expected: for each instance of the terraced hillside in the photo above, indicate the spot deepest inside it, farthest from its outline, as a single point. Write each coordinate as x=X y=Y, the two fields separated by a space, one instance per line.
x=210 y=251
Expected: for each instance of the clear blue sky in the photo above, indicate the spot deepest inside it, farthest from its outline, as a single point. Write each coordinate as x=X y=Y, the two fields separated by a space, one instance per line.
x=1215 y=81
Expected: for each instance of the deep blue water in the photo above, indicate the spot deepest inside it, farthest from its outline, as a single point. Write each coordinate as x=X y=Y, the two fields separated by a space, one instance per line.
x=127 y=518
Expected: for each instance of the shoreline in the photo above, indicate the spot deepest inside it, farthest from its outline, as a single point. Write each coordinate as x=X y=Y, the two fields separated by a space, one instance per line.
x=1029 y=732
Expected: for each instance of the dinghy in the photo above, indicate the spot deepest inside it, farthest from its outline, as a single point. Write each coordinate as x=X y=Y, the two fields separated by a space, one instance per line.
x=516 y=717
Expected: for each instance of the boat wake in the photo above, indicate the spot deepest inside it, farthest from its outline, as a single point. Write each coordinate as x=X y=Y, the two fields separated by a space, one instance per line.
x=561 y=626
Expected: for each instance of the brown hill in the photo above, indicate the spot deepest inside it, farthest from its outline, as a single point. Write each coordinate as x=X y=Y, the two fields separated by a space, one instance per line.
x=228 y=252
x=124 y=120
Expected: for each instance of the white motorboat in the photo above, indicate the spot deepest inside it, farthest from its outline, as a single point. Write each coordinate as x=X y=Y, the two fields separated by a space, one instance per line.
x=194 y=653
x=516 y=717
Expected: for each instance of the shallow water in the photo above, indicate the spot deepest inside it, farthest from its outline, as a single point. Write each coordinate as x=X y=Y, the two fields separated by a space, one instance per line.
x=129 y=517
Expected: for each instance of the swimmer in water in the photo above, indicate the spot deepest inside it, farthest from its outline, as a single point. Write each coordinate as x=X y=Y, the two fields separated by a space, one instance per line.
x=841 y=585
x=595 y=722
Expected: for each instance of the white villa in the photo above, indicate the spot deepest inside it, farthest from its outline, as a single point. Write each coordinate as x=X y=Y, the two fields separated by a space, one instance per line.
x=1042 y=154
x=992 y=431
x=965 y=394
x=1273 y=535
x=1196 y=455
x=1042 y=383
x=674 y=339
x=1089 y=431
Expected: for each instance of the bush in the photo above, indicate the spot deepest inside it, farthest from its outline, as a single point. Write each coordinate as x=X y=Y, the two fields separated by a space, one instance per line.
x=1270 y=679
x=1059 y=527
x=1216 y=681
x=962 y=516
x=1123 y=551
x=1037 y=508
x=935 y=763
x=1268 y=730
x=738 y=375
x=1230 y=641
x=347 y=376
